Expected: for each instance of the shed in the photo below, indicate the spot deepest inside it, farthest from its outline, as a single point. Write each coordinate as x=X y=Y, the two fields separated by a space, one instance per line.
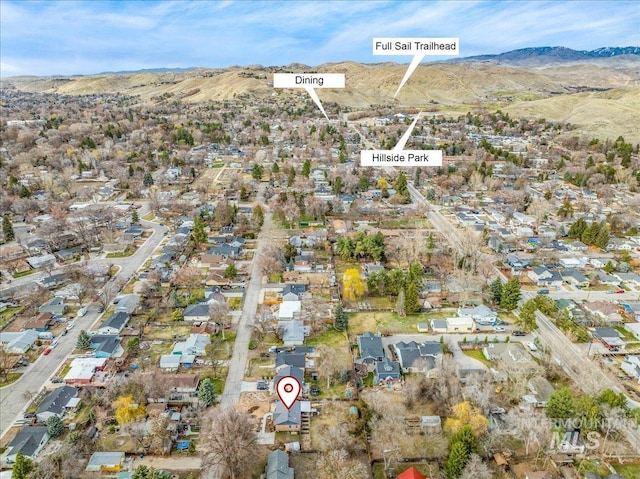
x=105 y=461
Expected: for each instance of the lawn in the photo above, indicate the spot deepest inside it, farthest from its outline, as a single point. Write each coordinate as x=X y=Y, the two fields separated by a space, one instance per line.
x=624 y=333
x=477 y=354
x=24 y=273
x=628 y=470
x=149 y=216
x=7 y=315
x=122 y=254
x=170 y=331
x=11 y=378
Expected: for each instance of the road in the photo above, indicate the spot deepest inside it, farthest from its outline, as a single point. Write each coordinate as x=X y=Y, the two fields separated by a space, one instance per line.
x=575 y=362
x=13 y=398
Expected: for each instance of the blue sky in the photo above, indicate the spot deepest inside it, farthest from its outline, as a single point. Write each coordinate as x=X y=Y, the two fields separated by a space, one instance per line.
x=68 y=37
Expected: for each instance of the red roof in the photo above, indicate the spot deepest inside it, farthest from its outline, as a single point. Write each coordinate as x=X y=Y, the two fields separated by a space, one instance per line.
x=411 y=473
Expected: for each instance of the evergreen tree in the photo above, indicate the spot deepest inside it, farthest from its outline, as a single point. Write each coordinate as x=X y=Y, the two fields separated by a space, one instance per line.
x=275 y=168
x=147 y=179
x=7 y=229
x=258 y=216
x=527 y=318
x=416 y=178
x=199 y=234
x=401 y=186
x=306 y=168
x=590 y=234
x=602 y=238
x=364 y=183
x=457 y=460
x=412 y=300
x=257 y=171
x=560 y=404
x=84 y=341
x=141 y=472
x=22 y=467
x=130 y=170
x=291 y=177
x=577 y=228
x=496 y=290
x=134 y=217
x=608 y=268
x=340 y=319
x=231 y=271
x=510 y=294
x=207 y=392
x=55 y=426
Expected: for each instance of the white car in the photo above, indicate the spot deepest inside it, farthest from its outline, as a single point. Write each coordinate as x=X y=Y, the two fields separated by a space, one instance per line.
x=532 y=347
x=499 y=329
x=82 y=312
x=70 y=326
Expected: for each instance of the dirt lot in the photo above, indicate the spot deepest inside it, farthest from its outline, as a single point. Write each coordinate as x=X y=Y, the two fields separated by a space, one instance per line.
x=257 y=403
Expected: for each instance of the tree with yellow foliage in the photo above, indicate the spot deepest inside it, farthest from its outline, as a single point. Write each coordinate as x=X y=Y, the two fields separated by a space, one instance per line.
x=127 y=410
x=353 y=285
x=382 y=184
x=464 y=414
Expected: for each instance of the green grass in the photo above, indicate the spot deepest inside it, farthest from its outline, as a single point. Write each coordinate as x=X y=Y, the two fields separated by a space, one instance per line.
x=122 y=254
x=477 y=354
x=149 y=216
x=7 y=315
x=627 y=470
x=24 y=273
x=11 y=378
x=389 y=321
x=624 y=333
x=65 y=369
x=329 y=337
x=591 y=466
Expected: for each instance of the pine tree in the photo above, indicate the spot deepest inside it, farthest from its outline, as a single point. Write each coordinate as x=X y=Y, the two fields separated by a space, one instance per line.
x=602 y=239
x=340 y=319
x=22 y=467
x=306 y=168
x=7 y=229
x=207 y=392
x=147 y=179
x=577 y=228
x=412 y=300
x=401 y=306
x=401 y=186
x=84 y=341
x=608 y=268
x=560 y=404
x=258 y=216
x=510 y=294
x=457 y=460
x=55 y=426
x=496 y=290
x=590 y=234
x=134 y=217
x=199 y=234
x=527 y=318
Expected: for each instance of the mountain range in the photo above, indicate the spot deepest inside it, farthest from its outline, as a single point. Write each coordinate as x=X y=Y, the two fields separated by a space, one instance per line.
x=598 y=90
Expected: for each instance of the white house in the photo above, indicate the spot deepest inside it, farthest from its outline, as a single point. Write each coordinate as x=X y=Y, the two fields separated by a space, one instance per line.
x=631 y=366
x=288 y=309
x=481 y=313
x=460 y=325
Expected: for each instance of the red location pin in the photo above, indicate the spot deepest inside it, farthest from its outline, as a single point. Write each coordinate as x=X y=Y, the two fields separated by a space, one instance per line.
x=288 y=390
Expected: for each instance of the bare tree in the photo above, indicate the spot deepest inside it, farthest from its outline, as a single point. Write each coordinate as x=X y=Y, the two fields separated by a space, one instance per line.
x=476 y=469
x=109 y=292
x=337 y=465
x=228 y=442
x=327 y=363
x=6 y=363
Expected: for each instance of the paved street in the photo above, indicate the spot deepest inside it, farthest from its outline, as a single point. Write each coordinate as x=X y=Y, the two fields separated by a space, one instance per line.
x=13 y=401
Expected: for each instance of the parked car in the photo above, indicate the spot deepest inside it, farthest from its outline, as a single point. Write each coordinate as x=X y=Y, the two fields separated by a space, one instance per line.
x=82 y=312
x=314 y=392
x=57 y=380
x=518 y=333
x=532 y=347
x=620 y=291
x=64 y=332
x=46 y=351
x=70 y=326
x=543 y=291
x=262 y=385
x=499 y=329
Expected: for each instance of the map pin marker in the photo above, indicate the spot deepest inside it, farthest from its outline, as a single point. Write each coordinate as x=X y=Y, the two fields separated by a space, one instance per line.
x=288 y=390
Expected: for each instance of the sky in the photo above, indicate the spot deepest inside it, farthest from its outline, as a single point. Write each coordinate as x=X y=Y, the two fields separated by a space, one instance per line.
x=69 y=37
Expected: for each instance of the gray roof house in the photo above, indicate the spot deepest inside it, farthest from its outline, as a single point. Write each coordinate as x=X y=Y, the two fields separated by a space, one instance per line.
x=30 y=440
x=286 y=358
x=197 y=312
x=18 y=342
x=289 y=371
x=414 y=357
x=287 y=419
x=55 y=402
x=386 y=370
x=371 y=349
x=278 y=465
x=128 y=303
x=293 y=332
x=194 y=344
x=54 y=306
x=481 y=313
x=115 y=324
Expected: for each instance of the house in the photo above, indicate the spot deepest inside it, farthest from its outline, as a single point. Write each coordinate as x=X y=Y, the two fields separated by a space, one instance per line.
x=439 y=326
x=128 y=303
x=411 y=473
x=574 y=277
x=30 y=440
x=83 y=369
x=170 y=362
x=288 y=309
x=52 y=281
x=431 y=424
x=226 y=251
x=278 y=465
x=369 y=268
x=287 y=419
x=386 y=370
x=460 y=325
x=628 y=278
x=289 y=358
x=371 y=350
x=293 y=292
x=195 y=344
x=607 y=279
x=197 y=312
x=512 y=356
x=105 y=462
x=481 y=313
x=55 y=402
x=516 y=263
x=609 y=337
x=302 y=264
x=289 y=371
x=542 y=276
x=631 y=366
x=604 y=309
x=115 y=324
x=414 y=357
x=181 y=383
x=106 y=345
x=570 y=442
x=40 y=323
x=18 y=342
x=41 y=261
x=54 y=306
x=540 y=389
x=293 y=332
